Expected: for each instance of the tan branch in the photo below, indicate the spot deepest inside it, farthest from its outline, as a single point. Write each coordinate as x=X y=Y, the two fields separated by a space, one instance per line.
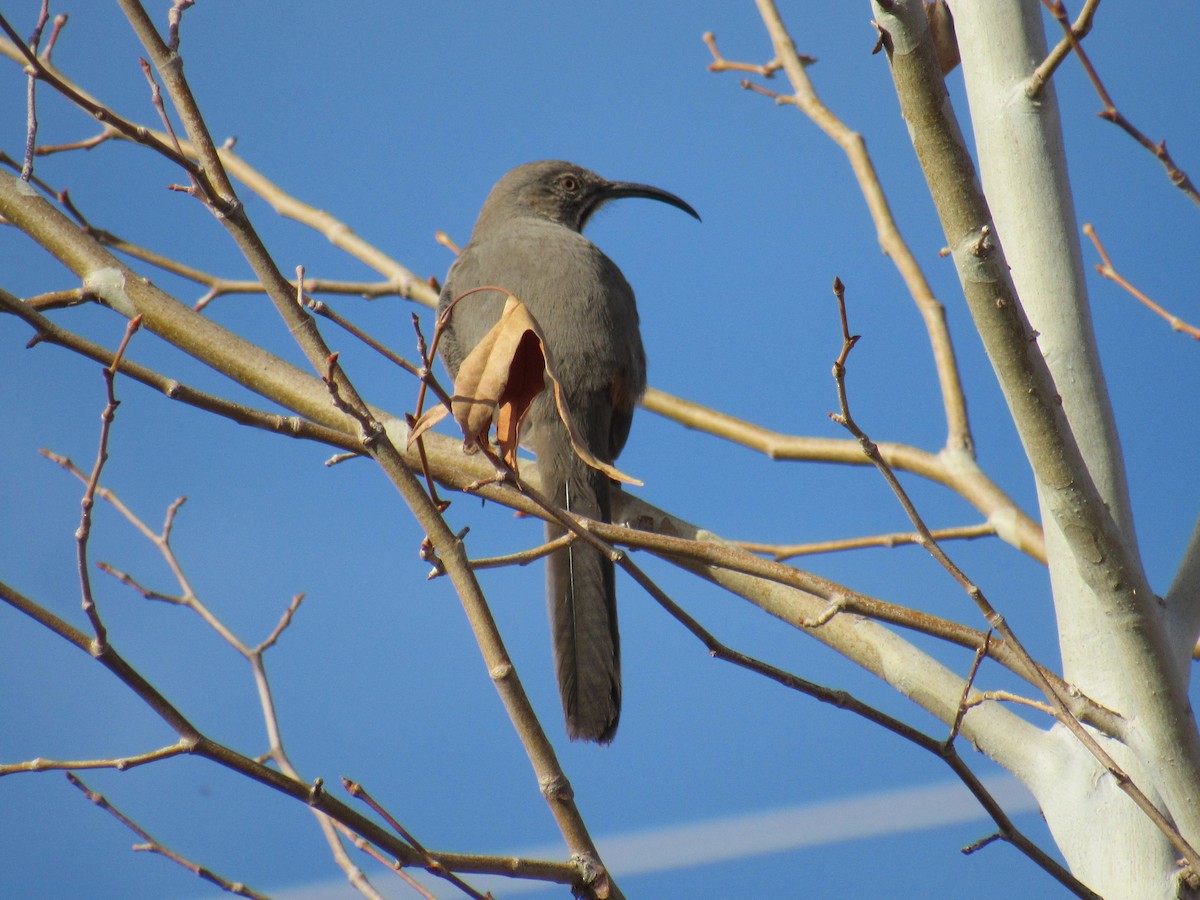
x=400 y=280
x=1054 y=693
x=432 y=864
x=153 y=846
x=91 y=482
x=1109 y=271
x=1083 y=25
x=1110 y=113
x=194 y=743
x=944 y=750
x=291 y=426
x=781 y=552
x=805 y=98
x=120 y=763
x=523 y=557
x=253 y=655
x=1008 y=697
x=954 y=471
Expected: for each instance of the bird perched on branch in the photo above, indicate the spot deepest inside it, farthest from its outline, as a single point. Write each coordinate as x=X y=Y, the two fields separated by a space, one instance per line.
x=528 y=241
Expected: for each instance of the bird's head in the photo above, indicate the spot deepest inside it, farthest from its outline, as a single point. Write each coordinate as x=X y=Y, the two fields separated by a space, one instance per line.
x=564 y=193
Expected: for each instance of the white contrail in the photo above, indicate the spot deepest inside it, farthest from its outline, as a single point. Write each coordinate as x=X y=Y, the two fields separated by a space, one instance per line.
x=739 y=837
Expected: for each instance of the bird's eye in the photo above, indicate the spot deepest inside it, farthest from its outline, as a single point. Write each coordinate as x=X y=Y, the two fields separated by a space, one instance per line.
x=569 y=183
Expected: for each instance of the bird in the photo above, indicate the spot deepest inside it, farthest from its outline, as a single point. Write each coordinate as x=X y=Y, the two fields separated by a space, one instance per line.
x=528 y=241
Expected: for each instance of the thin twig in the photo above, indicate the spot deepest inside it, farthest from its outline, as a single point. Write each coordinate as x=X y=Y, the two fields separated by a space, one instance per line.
x=253 y=655
x=174 y=19
x=446 y=241
x=1083 y=25
x=965 y=478
x=120 y=763
x=524 y=557
x=721 y=64
x=1109 y=271
x=1008 y=697
x=153 y=846
x=31 y=121
x=156 y=100
x=105 y=134
x=89 y=495
x=106 y=116
x=284 y=621
x=1052 y=692
x=804 y=97
x=944 y=750
x=291 y=426
x=429 y=382
x=782 y=552
x=1110 y=113
x=372 y=851
x=399 y=280
x=432 y=865
x=326 y=311
x=980 y=654
x=60 y=22
x=217 y=286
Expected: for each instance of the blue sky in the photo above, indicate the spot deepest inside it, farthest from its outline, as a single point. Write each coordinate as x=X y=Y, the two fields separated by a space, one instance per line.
x=397 y=120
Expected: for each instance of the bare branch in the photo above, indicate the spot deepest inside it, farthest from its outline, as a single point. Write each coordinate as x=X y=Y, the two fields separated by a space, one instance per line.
x=174 y=19
x=1057 y=700
x=964 y=477
x=1110 y=113
x=103 y=114
x=121 y=763
x=400 y=280
x=290 y=426
x=944 y=750
x=781 y=552
x=1108 y=270
x=284 y=621
x=1083 y=25
x=198 y=745
x=524 y=557
x=31 y=121
x=967 y=686
x=85 y=519
x=432 y=865
x=805 y=99
x=326 y=311
x=445 y=240
x=1008 y=697
x=154 y=846
x=721 y=64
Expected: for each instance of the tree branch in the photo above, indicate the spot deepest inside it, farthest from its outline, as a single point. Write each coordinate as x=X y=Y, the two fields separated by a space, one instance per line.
x=153 y=846
x=994 y=619
x=1109 y=271
x=804 y=98
x=1099 y=583
x=957 y=472
x=943 y=750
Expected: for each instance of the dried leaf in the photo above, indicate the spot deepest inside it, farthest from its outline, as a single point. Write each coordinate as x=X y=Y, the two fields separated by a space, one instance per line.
x=498 y=382
x=428 y=419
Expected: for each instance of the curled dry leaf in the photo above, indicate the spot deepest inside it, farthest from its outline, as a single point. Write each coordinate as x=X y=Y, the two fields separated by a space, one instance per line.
x=498 y=382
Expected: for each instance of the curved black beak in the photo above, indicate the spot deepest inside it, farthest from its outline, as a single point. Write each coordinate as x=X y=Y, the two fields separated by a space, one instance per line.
x=614 y=190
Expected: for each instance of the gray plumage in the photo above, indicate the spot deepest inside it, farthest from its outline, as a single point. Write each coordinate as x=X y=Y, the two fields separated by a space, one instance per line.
x=528 y=240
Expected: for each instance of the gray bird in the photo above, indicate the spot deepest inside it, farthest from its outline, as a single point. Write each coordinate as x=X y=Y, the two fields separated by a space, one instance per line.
x=528 y=240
